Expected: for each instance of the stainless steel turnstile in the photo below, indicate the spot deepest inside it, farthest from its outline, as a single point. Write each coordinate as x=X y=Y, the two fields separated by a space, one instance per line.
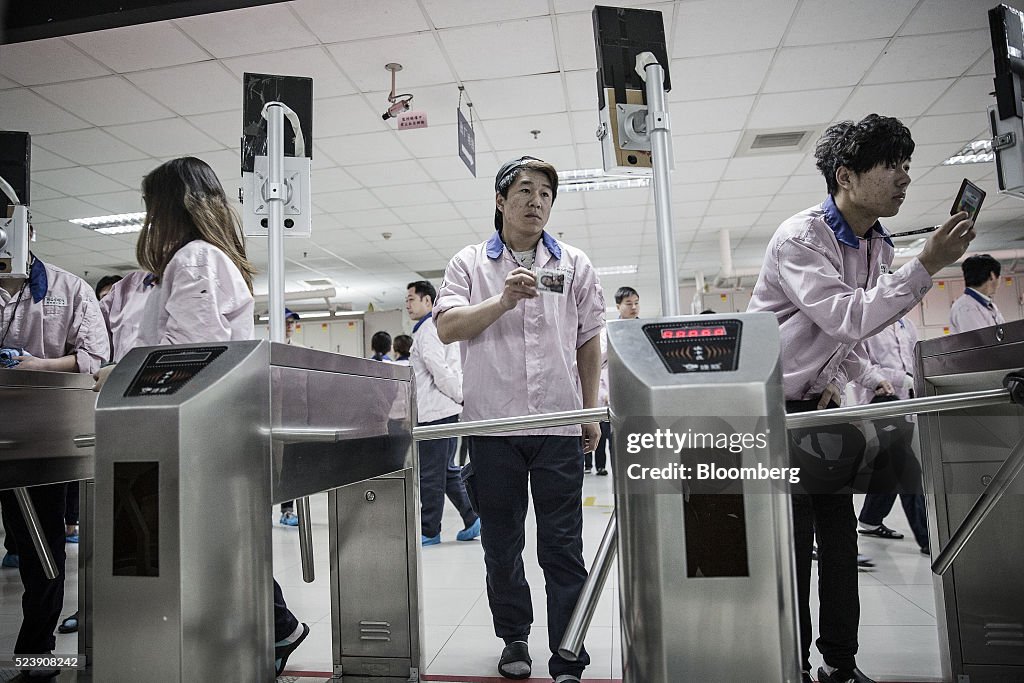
x=980 y=599
x=193 y=444
x=708 y=564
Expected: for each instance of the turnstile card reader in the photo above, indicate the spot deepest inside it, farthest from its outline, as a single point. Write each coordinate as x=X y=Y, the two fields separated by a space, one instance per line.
x=193 y=444
x=706 y=569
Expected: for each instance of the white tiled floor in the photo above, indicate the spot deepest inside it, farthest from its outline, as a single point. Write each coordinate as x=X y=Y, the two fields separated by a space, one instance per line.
x=898 y=635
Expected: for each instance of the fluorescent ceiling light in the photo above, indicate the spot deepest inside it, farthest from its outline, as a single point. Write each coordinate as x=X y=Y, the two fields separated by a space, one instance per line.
x=588 y=179
x=616 y=270
x=977 y=152
x=117 y=224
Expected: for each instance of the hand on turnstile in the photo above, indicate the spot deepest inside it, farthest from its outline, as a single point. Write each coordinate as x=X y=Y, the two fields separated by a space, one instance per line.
x=885 y=389
x=101 y=376
x=591 y=437
x=830 y=395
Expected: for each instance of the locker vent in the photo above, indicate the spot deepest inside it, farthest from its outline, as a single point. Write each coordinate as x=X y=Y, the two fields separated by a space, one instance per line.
x=1004 y=635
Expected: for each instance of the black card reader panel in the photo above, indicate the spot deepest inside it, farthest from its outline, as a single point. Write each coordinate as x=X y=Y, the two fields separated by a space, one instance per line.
x=697 y=346
x=167 y=370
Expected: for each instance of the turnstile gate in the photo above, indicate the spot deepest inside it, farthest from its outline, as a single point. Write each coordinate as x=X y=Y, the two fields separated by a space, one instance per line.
x=705 y=556
x=193 y=444
x=980 y=599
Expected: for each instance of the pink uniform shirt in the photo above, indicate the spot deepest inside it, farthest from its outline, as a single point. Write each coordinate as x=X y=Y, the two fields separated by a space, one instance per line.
x=891 y=355
x=201 y=297
x=122 y=311
x=57 y=316
x=525 y=362
x=972 y=310
x=829 y=291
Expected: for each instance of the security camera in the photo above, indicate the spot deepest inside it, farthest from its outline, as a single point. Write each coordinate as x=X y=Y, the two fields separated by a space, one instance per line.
x=399 y=107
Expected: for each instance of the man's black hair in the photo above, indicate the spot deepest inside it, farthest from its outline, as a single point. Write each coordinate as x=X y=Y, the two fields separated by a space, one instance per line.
x=508 y=173
x=622 y=292
x=423 y=288
x=861 y=146
x=380 y=342
x=977 y=268
x=107 y=281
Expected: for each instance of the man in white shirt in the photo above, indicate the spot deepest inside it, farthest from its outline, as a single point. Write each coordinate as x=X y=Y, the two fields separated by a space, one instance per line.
x=974 y=308
x=438 y=377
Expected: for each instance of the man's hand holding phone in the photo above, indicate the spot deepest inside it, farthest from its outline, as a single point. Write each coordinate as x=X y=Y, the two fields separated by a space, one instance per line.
x=948 y=243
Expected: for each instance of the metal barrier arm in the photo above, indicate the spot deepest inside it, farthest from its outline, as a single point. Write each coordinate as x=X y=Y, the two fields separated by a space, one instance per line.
x=590 y=595
x=1004 y=477
x=510 y=424
x=910 y=406
x=28 y=511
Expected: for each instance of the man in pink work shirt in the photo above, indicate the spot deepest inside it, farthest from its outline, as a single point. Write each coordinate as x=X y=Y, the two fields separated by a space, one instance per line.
x=53 y=318
x=974 y=309
x=826 y=277
x=527 y=352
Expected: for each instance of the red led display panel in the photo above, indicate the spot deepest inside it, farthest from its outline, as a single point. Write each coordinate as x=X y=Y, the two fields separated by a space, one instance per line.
x=691 y=332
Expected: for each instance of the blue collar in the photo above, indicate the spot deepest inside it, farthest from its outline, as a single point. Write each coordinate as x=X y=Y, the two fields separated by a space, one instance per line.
x=148 y=281
x=979 y=297
x=421 y=321
x=38 y=283
x=495 y=245
x=844 y=233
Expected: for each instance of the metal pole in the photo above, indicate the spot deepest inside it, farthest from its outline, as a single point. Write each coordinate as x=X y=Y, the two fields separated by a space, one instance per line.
x=510 y=424
x=274 y=113
x=1001 y=482
x=586 y=605
x=28 y=511
x=661 y=151
x=910 y=406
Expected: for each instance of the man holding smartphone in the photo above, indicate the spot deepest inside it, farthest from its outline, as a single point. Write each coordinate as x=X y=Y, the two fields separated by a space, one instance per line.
x=827 y=277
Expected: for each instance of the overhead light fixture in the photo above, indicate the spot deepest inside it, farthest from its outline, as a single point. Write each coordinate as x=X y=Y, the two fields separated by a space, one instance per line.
x=117 y=224
x=977 y=152
x=589 y=179
x=616 y=270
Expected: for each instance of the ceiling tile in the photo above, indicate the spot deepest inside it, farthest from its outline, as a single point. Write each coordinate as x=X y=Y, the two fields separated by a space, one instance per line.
x=22 y=109
x=244 y=31
x=105 y=101
x=698 y=171
x=754 y=187
x=352 y=200
x=41 y=191
x=129 y=201
x=729 y=75
x=940 y=16
x=367 y=219
x=224 y=126
x=345 y=116
x=393 y=173
x=956 y=128
x=88 y=147
x=421 y=59
x=132 y=48
x=705 y=145
x=66 y=208
x=227 y=164
x=915 y=58
x=734 y=205
x=530 y=40
x=710 y=116
x=446 y=13
x=334 y=21
x=576 y=41
x=967 y=94
x=6 y=83
x=128 y=173
x=702 y=28
x=435 y=141
x=822 y=66
x=984 y=66
x=735 y=220
x=581 y=91
x=832 y=22
x=367 y=148
x=516 y=133
x=170 y=137
x=905 y=100
x=192 y=89
x=43 y=160
x=798 y=108
x=767 y=166
x=801 y=184
x=76 y=181
x=521 y=96
x=332 y=180
x=46 y=61
x=309 y=62
x=427 y=213
x=413 y=194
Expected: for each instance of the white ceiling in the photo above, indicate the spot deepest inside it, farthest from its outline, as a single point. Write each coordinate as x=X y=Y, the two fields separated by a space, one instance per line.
x=104 y=108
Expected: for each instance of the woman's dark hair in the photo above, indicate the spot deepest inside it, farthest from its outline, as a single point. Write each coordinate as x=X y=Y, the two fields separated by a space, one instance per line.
x=861 y=146
x=107 y=281
x=380 y=342
x=977 y=268
x=403 y=344
x=184 y=202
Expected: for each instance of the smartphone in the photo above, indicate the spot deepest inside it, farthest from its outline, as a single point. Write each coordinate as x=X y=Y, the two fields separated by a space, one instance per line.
x=969 y=199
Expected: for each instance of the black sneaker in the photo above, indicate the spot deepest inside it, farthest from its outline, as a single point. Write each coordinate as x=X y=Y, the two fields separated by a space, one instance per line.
x=854 y=675
x=282 y=652
x=882 y=531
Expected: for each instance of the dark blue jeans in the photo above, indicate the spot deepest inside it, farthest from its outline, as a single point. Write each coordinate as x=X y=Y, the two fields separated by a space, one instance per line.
x=284 y=621
x=440 y=476
x=505 y=471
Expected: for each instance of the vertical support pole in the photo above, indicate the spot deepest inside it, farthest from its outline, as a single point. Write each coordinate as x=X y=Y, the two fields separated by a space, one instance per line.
x=661 y=151
x=274 y=113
